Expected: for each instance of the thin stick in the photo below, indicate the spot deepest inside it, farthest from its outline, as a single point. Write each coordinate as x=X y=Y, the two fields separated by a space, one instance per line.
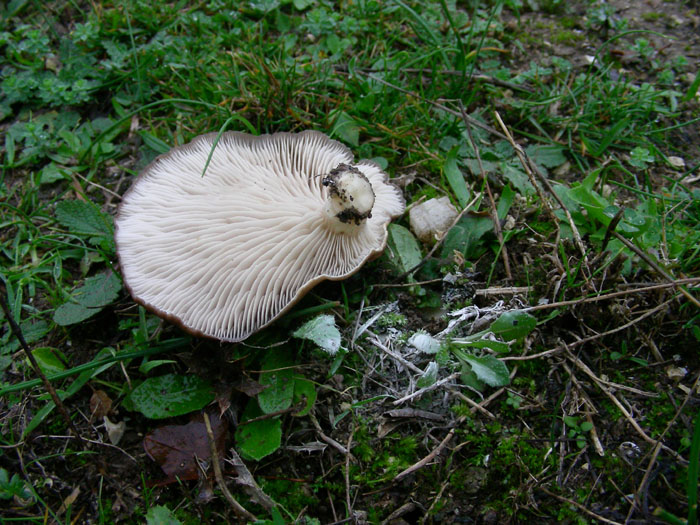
x=604 y=388
x=332 y=442
x=579 y=506
x=651 y=262
x=427 y=459
x=17 y=331
x=645 y=480
x=237 y=507
x=611 y=295
x=422 y=391
x=348 y=503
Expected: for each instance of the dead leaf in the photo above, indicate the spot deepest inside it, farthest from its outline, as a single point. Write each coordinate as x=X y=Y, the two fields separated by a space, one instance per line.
x=249 y=387
x=175 y=447
x=223 y=397
x=70 y=499
x=115 y=431
x=100 y=405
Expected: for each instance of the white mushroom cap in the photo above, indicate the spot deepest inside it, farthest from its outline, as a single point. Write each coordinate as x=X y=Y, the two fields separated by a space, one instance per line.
x=226 y=254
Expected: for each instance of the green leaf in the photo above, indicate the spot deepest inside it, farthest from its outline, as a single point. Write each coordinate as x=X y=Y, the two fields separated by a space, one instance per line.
x=514 y=324
x=518 y=179
x=455 y=177
x=260 y=438
x=171 y=395
x=404 y=248
x=586 y=426
x=304 y=389
x=50 y=360
x=32 y=330
x=161 y=515
x=322 y=331
x=73 y=313
x=85 y=218
x=345 y=128
x=89 y=299
x=279 y=379
x=549 y=156
x=488 y=369
x=465 y=236
x=98 y=291
x=154 y=142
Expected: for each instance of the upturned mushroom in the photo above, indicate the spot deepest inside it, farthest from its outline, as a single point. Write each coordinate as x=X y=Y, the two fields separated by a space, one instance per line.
x=225 y=254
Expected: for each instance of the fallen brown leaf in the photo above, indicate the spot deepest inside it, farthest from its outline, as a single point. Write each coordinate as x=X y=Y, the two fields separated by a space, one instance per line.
x=175 y=447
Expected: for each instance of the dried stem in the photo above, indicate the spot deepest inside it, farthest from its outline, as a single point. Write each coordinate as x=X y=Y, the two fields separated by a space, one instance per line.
x=17 y=331
x=492 y=202
x=237 y=507
x=651 y=262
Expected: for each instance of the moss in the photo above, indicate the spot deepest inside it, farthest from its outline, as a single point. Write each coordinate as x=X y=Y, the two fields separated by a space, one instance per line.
x=567 y=36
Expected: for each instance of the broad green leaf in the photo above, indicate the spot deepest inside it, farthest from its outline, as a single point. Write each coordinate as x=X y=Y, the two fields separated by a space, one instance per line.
x=549 y=156
x=346 y=128
x=488 y=369
x=171 y=395
x=32 y=330
x=99 y=290
x=161 y=515
x=455 y=177
x=73 y=313
x=518 y=179
x=514 y=324
x=304 y=389
x=89 y=299
x=260 y=438
x=278 y=376
x=429 y=375
x=465 y=236
x=50 y=360
x=83 y=217
x=592 y=202
x=403 y=248
x=322 y=331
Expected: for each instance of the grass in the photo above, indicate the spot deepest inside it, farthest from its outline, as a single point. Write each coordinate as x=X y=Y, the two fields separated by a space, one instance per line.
x=593 y=178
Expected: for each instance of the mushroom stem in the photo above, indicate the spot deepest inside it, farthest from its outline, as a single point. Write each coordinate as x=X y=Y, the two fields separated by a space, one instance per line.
x=350 y=198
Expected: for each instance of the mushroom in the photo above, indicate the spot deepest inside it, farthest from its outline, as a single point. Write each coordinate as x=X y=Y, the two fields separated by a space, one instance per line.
x=225 y=254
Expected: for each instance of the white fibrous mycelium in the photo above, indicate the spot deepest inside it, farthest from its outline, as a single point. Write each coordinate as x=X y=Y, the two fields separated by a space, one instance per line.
x=226 y=253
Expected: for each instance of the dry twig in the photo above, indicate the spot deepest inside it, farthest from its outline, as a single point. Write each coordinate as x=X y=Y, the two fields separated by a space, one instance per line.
x=17 y=331
x=237 y=507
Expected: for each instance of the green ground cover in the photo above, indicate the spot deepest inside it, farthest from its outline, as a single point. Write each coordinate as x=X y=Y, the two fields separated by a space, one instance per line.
x=539 y=363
